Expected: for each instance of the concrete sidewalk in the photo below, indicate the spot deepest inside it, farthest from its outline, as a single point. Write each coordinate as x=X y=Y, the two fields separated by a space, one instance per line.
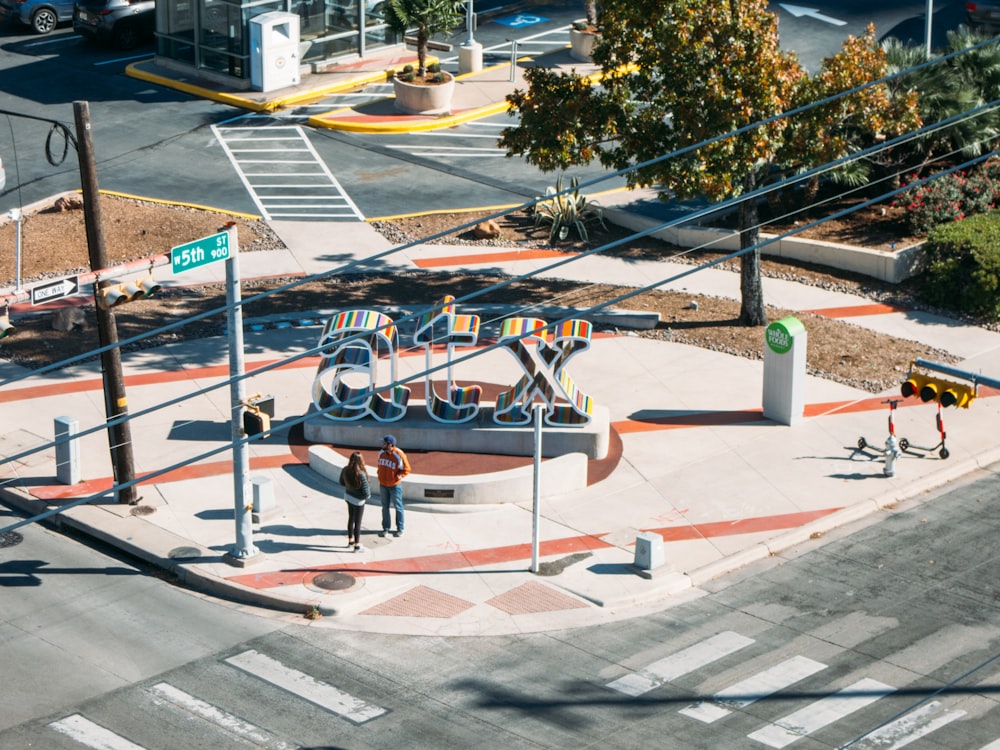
x=695 y=462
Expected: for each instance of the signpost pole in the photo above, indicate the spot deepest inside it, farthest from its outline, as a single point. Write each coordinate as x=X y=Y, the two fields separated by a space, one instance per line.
x=244 y=548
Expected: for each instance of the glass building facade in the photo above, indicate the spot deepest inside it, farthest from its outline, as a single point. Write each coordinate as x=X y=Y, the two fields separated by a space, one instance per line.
x=213 y=35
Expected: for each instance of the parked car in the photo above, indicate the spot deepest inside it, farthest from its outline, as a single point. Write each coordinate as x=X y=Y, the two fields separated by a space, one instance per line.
x=3 y=176
x=983 y=15
x=41 y=15
x=124 y=23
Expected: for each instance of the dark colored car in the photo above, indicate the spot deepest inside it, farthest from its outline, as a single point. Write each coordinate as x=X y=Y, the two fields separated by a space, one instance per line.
x=983 y=15
x=124 y=23
x=41 y=15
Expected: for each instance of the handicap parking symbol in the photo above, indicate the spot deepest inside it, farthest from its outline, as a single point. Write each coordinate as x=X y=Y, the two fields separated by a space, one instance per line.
x=519 y=21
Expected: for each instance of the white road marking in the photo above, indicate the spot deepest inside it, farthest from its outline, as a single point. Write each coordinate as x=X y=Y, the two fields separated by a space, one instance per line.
x=825 y=711
x=231 y=724
x=92 y=735
x=298 y=683
x=909 y=728
x=301 y=174
x=687 y=660
x=753 y=689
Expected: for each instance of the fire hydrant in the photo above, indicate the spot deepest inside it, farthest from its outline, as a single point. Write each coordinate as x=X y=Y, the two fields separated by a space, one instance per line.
x=892 y=452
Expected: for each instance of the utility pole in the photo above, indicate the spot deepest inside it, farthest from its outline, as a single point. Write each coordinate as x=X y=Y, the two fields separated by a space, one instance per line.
x=115 y=403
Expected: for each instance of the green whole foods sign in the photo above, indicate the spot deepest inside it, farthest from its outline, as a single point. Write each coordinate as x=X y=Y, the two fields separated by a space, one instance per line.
x=779 y=334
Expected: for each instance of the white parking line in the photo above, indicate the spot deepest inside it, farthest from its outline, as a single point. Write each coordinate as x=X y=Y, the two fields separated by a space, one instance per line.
x=231 y=724
x=298 y=683
x=92 y=735
x=753 y=688
x=825 y=711
x=687 y=660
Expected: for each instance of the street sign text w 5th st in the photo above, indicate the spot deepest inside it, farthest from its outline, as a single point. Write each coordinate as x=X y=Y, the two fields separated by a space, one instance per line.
x=200 y=252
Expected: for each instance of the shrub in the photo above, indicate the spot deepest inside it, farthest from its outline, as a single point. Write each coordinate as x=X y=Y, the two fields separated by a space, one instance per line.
x=951 y=197
x=963 y=266
x=434 y=68
x=563 y=212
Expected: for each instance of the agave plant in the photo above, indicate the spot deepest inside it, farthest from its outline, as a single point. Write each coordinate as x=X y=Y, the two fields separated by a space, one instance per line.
x=566 y=210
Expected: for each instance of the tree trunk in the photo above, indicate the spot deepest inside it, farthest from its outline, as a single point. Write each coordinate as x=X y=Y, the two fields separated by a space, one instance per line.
x=752 y=291
x=422 y=38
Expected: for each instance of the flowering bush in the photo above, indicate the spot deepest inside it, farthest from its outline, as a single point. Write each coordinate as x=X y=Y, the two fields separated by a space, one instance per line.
x=951 y=197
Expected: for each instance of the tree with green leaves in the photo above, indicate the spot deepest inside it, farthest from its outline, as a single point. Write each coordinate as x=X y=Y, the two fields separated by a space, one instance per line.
x=427 y=18
x=677 y=74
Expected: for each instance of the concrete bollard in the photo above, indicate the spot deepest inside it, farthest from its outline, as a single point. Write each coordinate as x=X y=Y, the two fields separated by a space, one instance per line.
x=68 y=453
x=648 y=554
x=264 y=503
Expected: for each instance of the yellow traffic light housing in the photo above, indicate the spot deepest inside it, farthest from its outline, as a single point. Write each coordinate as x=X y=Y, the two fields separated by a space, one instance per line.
x=931 y=388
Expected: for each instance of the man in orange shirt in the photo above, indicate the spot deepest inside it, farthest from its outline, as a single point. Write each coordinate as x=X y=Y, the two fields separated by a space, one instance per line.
x=392 y=467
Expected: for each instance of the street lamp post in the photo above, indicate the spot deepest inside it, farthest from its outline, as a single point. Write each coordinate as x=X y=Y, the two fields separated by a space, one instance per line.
x=470 y=54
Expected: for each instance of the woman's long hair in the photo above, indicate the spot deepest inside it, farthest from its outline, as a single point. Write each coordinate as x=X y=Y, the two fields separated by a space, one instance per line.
x=356 y=468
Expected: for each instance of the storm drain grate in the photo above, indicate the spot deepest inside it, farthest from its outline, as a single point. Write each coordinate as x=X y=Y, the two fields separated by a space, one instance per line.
x=10 y=538
x=333 y=581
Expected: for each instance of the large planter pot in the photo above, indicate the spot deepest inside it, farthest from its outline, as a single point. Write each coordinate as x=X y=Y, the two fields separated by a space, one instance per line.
x=416 y=99
x=582 y=44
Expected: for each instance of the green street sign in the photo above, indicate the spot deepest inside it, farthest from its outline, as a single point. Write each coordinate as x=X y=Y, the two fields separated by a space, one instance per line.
x=199 y=253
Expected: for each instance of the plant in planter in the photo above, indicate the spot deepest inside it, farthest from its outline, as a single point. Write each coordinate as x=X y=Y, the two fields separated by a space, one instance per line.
x=427 y=18
x=568 y=211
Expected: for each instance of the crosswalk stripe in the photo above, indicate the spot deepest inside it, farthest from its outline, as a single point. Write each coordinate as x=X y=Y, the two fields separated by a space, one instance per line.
x=909 y=728
x=684 y=661
x=231 y=724
x=298 y=683
x=753 y=689
x=995 y=745
x=92 y=735
x=825 y=711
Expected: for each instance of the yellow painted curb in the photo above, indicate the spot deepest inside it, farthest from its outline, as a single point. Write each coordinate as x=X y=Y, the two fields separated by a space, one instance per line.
x=133 y=71
x=181 y=204
x=476 y=210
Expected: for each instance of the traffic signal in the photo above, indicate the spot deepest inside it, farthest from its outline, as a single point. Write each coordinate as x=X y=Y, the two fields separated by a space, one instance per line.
x=931 y=388
x=255 y=421
x=257 y=417
x=119 y=292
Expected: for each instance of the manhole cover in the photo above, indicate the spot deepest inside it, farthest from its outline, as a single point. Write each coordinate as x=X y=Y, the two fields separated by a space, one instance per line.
x=142 y=510
x=183 y=553
x=333 y=581
x=10 y=538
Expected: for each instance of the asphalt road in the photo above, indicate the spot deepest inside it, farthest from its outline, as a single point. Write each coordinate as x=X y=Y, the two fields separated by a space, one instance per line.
x=880 y=635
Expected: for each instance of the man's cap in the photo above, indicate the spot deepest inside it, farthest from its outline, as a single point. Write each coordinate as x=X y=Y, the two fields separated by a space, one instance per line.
x=389 y=439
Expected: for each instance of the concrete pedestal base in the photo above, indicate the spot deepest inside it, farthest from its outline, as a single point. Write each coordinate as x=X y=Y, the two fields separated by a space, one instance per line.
x=470 y=58
x=482 y=435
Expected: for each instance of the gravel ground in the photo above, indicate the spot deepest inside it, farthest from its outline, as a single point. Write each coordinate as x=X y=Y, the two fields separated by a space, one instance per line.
x=54 y=245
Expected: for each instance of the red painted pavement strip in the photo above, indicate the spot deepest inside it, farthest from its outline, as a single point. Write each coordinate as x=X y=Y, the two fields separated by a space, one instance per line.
x=856 y=311
x=151 y=378
x=499 y=257
x=517 y=552
x=192 y=471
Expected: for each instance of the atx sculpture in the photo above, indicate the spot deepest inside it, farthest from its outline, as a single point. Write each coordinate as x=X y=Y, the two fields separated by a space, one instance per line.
x=345 y=387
